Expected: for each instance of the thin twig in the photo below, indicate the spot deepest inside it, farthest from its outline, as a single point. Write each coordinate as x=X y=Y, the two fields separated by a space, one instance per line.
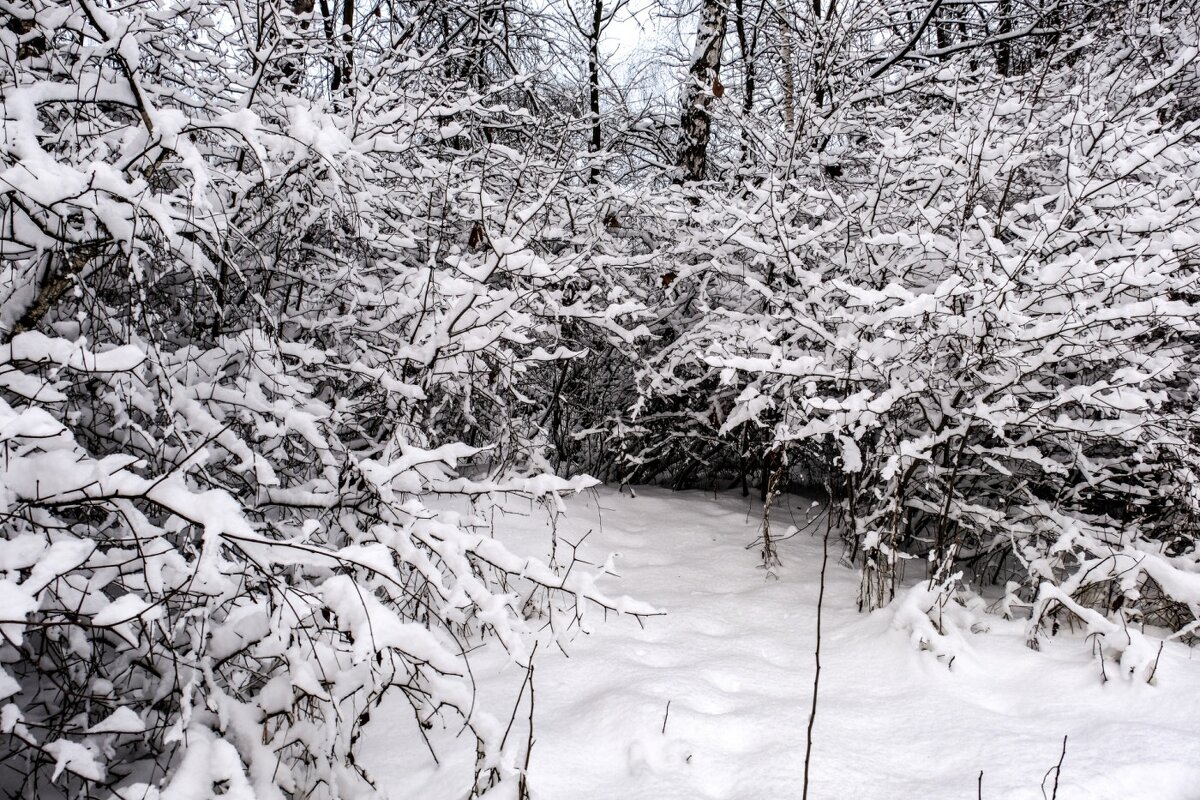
x=523 y=783
x=1154 y=668
x=1057 y=770
x=812 y=714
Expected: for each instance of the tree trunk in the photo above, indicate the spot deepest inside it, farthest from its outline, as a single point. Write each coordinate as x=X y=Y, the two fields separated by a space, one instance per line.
x=941 y=30
x=746 y=47
x=343 y=73
x=789 y=77
x=1003 y=28
x=594 y=87
x=818 y=56
x=695 y=122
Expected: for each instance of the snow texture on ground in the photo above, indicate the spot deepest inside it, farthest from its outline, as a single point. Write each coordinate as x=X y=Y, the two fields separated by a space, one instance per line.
x=733 y=658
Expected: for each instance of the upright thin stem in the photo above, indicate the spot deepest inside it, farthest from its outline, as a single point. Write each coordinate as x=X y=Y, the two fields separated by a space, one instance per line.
x=812 y=714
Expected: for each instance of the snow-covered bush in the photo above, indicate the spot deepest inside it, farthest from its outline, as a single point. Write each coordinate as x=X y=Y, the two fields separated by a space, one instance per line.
x=261 y=325
x=982 y=330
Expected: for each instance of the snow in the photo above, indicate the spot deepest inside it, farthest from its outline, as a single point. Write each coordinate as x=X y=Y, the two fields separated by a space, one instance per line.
x=377 y=628
x=17 y=604
x=123 y=720
x=125 y=608
x=75 y=757
x=37 y=347
x=208 y=763
x=733 y=658
x=8 y=685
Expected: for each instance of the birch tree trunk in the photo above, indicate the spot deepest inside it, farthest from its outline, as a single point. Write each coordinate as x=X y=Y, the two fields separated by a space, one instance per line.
x=788 y=78
x=695 y=121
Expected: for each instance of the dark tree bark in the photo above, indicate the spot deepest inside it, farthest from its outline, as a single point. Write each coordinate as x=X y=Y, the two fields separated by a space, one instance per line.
x=343 y=72
x=594 y=86
x=747 y=47
x=695 y=121
x=820 y=80
x=942 y=33
x=1003 y=28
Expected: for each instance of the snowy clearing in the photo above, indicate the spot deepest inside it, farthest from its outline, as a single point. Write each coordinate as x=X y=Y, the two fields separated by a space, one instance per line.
x=733 y=657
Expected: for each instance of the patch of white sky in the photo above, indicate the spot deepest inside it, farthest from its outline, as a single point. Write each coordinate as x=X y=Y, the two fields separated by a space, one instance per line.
x=633 y=30
x=642 y=47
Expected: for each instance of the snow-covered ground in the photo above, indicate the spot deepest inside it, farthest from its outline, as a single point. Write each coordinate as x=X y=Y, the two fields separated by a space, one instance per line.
x=733 y=658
